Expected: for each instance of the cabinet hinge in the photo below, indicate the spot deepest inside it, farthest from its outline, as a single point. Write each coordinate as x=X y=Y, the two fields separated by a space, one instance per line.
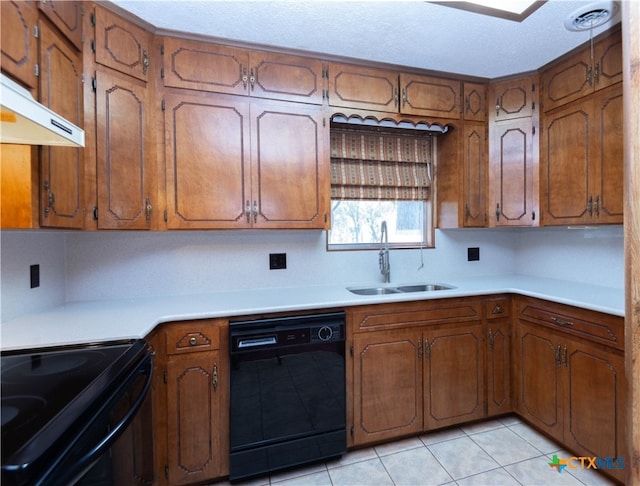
x=95 y=213
x=36 y=32
x=162 y=50
x=164 y=376
x=94 y=84
x=533 y=216
x=351 y=431
x=324 y=122
x=93 y=46
x=92 y=18
x=36 y=70
x=533 y=106
x=162 y=105
x=533 y=129
x=166 y=215
x=161 y=73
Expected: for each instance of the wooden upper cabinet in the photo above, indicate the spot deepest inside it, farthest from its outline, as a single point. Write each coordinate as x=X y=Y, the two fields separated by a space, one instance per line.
x=582 y=161
x=474 y=180
x=360 y=87
x=62 y=168
x=66 y=16
x=205 y=67
x=224 y=69
x=430 y=96
x=122 y=45
x=18 y=42
x=582 y=74
x=513 y=98
x=475 y=101
x=125 y=168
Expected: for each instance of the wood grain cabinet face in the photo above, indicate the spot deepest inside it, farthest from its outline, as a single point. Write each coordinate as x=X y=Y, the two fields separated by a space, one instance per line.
x=66 y=16
x=122 y=45
x=125 y=163
x=582 y=161
x=361 y=87
x=430 y=96
x=474 y=177
x=514 y=98
x=498 y=346
x=474 y=101
x=62 y=168
x=18 y=42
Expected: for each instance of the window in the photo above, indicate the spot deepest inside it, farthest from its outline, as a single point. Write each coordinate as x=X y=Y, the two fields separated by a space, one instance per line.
x=380 y=176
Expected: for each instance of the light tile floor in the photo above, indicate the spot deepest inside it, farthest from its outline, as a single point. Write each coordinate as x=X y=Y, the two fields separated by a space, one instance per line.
x=502 y=451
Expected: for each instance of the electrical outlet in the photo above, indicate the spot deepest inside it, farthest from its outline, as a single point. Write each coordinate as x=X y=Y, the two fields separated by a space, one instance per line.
x=277 y=261
x=473 y=254
x=34 y=275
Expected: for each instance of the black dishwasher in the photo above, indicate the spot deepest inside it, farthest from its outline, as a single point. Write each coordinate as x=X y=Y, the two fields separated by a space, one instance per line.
x=287 y=392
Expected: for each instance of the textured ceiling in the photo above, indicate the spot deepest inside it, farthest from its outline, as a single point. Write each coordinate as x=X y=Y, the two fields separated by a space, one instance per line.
x=409 y=33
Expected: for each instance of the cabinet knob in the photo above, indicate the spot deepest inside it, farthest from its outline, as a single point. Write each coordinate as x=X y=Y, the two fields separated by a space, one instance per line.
x=193 y=341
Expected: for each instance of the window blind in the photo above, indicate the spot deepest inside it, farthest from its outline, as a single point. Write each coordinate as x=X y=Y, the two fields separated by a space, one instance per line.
x=380 y=166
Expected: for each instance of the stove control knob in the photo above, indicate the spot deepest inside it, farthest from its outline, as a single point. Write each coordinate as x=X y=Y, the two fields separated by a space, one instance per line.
x=325 y=333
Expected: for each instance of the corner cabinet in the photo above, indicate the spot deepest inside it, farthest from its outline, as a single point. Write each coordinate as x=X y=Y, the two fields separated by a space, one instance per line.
x=570 y=376
x=18 y=41
x=415 y=366
x=192 y=406
x=582 y=161
x=232 y=163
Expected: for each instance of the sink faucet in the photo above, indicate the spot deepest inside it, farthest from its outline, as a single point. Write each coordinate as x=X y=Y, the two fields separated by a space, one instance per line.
x=383 y=256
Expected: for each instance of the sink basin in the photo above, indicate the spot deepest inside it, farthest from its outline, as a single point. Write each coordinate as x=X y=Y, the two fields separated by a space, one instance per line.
x=375 y=291
x=398 y=290
x=423 y=288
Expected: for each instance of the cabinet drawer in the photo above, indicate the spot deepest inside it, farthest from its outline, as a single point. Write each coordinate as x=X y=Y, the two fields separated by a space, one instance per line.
x=191 y=337
x=595 y=326
x=497 y=308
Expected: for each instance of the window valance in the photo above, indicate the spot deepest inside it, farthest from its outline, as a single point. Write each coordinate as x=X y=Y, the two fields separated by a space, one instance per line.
x=380 y=166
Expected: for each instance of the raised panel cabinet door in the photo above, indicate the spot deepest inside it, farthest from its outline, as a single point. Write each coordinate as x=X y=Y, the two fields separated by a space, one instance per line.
x=539 y=378
x=62 y=168
x=352 y=86
x=567 y=143
x=122 y=45
x=474 y=176
x=387 y=385
x=608 y=61
x=205 y=67
x=595 y=401
x=607 y=161
x=125 y=157
x=18 y=42
x=67 y=16
x=567 y=81
x=208 y=162
x=513 y=174
x=430 y=96
x=194 y=418
x=499 y=367
x=475 y=101
x=514 y=98
x=289 y=166
x=453 y=375
x=285 y=77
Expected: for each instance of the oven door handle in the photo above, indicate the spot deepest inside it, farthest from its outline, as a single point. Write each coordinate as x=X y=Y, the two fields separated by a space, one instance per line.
x=105 y=442
x=256 y=342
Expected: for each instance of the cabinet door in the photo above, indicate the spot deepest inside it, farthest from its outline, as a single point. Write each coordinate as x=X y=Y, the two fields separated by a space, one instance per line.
x=453 y=375
x=499 y=366
x=353 y=86
x=568 y=80
x=289 y=166
x=608 y=61
x=205 y=67
x=285 y=77
x=474 y=177
x=387 y=385
x=430 y=96
x=66 y=16
x=513 y=174
x=62 y=169
x=18 y=41
x=514 y=98
x=475 y=101
x=208 y=161
x=539 y=378
x=595 y=399
x=607 y=162
x=125 y=157
x=122 y=45
x=195 y=418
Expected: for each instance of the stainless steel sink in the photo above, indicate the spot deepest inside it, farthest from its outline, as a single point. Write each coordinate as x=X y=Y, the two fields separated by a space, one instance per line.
x=398 y=290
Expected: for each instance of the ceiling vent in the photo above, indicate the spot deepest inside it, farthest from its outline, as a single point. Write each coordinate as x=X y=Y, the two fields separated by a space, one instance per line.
x=591 y=16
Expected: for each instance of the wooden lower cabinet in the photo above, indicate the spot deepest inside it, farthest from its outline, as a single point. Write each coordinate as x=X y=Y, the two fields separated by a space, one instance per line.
x=571 y=387
x=427 y=374
x=498 y=357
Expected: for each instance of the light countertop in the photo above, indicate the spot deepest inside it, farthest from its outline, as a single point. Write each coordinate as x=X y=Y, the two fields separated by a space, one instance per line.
x=111 y=320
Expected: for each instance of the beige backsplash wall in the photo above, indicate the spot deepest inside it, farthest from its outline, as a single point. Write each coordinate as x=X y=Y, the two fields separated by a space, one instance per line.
x=80 y=266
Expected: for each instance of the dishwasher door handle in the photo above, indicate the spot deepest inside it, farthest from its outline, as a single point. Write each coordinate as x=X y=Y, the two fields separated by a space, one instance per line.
x=256 y=342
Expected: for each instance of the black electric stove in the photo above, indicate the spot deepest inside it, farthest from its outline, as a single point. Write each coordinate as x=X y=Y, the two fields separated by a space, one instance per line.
x=57 y=407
